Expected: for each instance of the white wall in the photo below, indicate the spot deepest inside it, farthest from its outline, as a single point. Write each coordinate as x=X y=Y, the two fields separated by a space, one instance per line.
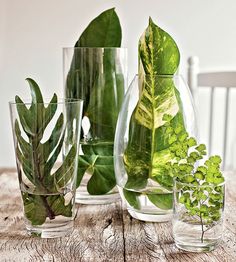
x=32 y=34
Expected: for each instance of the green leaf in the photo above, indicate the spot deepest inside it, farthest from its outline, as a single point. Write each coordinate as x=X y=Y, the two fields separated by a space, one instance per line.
x=84 y=166
x=51 y=161
x=202 y=169
x=158 y=51
x=157 y=114
x=97 y=161
x=215 y=159
x=103 y=31
x=162 y=201
x=102 y=95
x=24 y=145
x=47 y=147
x=37 y=159
x=26 y=120
x=58 y=206
x=103 y=177
x=199 y=175
x=37 y=107
x=34 y=208
x=192 y=142
x=48 y=113
x=35 y=91
x=201 y=148
x=132 y=198
x=189 y=179
x=98 y=148
x=167 y=118
x=66 y=171
x=137 y=181
x=26 y=165
x=105 y=101
x=101 y=170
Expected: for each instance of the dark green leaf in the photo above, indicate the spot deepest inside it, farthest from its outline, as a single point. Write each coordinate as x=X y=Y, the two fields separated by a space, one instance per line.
x=84 y=165
x=162 y=201
x=58 y=206
x=36 y=94
x=103 y=177
x=49 y=165
x=24 y=145
x=26 y=119
x=132 y=198
x=66 y=171
x=47 y=147
x=32 y=156
x=103 y=31
x=34 y=208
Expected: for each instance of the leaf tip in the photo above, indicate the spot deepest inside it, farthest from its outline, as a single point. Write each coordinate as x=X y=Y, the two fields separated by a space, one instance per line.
x=17 y=98
x=150 y=20
x=30 y=80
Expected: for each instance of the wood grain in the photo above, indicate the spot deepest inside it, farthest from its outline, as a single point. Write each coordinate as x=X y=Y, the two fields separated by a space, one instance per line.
x=104 y=233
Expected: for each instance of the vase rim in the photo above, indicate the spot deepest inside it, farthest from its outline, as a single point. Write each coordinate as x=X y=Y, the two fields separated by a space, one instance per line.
x=160 y=75
x=90 y=47
x=46 y=101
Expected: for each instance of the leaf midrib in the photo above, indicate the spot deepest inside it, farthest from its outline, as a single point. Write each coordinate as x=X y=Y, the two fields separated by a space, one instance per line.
x=153 y=108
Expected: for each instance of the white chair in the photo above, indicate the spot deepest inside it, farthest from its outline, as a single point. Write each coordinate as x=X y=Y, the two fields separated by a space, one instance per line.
x=226 y=80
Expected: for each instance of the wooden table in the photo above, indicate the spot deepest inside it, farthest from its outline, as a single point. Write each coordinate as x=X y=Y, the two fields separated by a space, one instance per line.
x=103 y=233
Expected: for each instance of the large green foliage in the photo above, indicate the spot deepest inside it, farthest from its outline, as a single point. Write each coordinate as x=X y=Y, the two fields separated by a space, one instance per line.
x=102 y=88
x=37 y=158
x=148 y=148
x=199 y=188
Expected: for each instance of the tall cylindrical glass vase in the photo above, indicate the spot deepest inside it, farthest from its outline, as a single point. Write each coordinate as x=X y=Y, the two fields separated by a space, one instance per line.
x=99 y=77
x=46 y=139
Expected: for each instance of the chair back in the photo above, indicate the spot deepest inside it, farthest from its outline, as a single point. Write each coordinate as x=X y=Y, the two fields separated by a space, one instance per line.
x=212 y=81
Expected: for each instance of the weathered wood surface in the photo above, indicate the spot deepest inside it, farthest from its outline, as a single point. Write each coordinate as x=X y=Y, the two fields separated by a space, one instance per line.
x=103 y=233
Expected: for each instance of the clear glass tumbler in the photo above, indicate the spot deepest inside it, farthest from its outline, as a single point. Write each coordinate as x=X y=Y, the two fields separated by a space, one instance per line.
x=198 y=216
x=46 y=138
x=99 y=77
x=142 y=143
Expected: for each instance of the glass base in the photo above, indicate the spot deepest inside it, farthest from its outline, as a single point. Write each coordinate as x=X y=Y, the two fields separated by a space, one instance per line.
x=191 y=236
x=198 y=247
x=51 y=229
x=83 y=197
x=86 y=198
x=150 y=217
x=146 y=210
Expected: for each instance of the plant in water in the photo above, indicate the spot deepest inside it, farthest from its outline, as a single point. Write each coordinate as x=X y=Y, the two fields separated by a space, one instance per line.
x=41 y=183
x=200 y=186
x=102 y=102
x=148 y=150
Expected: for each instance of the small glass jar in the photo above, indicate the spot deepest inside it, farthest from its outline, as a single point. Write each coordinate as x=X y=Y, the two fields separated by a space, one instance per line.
x=198 y=216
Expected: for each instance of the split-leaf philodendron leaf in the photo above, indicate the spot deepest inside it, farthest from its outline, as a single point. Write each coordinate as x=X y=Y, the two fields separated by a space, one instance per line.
x=148 y=150
x=37 y=158
x=102 y=93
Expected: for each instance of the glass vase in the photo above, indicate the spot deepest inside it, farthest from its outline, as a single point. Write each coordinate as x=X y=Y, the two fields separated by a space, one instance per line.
x=46 y=138
x=142 y=145
x=99 y=77
x=198 y=216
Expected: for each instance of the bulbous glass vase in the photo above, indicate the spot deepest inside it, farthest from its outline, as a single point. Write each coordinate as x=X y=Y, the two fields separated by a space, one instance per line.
x=142 y=147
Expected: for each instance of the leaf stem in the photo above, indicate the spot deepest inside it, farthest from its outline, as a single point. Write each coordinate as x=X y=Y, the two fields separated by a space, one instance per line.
x=39 y=177
x=202 y=228
x=50 y=213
